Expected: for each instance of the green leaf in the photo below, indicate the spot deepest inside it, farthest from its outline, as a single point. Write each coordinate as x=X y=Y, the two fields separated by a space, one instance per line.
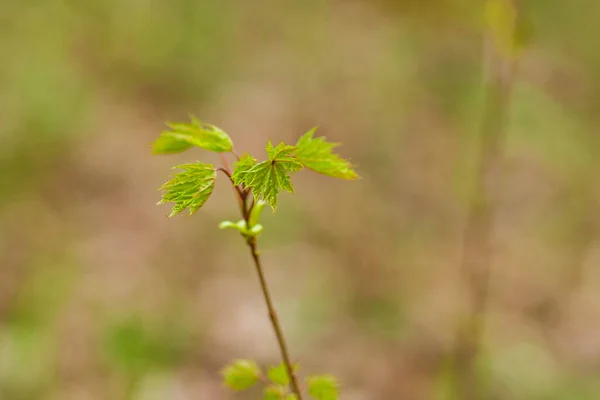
x=268 y=177
x=189 y=189
x=182 y=136
x=279 y=375
x=317 y=154
x=242 y=166
x=280 y=151
x=241 y=374
x=255 y=230
x=241 y=227
x=256 y=211
x=324 y=387
x=168 y=144
x=275 y=392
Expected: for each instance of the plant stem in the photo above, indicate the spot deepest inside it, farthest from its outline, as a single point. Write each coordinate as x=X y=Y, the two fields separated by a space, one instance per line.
x=477 y=242
x=285 y=354
x=245 y=210
x=225 y=162
x=241 y=195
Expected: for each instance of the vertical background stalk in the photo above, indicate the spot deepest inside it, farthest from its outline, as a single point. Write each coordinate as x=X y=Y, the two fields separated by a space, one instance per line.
x=499 y=73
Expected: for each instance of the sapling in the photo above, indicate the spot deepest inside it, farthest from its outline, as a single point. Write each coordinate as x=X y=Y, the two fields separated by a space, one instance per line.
x=255 y=184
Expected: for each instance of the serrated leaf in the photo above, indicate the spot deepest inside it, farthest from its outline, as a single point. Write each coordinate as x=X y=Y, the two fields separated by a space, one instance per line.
x=324 y=387
x=189 y=189
x=242 y=166
x=241 y=374
x=268 y=177
x=280 y=151
x=275 y=392
x=317 y=154
x=182 y=136
x=279 y=375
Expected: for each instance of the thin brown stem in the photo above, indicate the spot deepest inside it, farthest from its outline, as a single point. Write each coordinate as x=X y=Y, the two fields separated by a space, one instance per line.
x=252 y=244
x=225 y=162
x=241 y=195
x=251 y=206
x=285 y=354
x=245 y=210
x=226 y=172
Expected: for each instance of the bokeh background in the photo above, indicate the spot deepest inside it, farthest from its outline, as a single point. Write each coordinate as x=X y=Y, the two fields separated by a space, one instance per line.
x=104 y=297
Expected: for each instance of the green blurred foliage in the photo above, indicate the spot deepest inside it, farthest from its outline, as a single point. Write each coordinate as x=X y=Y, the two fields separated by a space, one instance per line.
x=134 y=349
x=101 y=297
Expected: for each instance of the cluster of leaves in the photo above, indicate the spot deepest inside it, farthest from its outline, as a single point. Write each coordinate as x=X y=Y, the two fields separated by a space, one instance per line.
x=191 y=188
x=261 y=182
x=244 y=374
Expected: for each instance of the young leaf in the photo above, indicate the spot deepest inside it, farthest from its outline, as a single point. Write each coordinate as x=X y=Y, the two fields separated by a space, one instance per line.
x=241 y=375
x=242 y=166
x=279 y=375
x=168 y=144
x=242 y=228
x=274 y=392
x=267 y=177
x=255 y=213
x=323 y=387
x=255 y=230
x=282 y=150
x=317 y=154
x=182 y=136
x=189 y=189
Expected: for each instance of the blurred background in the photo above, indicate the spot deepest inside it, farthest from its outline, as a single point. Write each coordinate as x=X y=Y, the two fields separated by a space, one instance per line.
x=103 y=297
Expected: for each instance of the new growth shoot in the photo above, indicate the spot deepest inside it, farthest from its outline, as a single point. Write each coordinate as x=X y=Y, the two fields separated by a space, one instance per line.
x=256 y=184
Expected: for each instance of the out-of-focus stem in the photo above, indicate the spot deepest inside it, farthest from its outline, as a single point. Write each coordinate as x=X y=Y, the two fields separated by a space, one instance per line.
x=477 y=241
